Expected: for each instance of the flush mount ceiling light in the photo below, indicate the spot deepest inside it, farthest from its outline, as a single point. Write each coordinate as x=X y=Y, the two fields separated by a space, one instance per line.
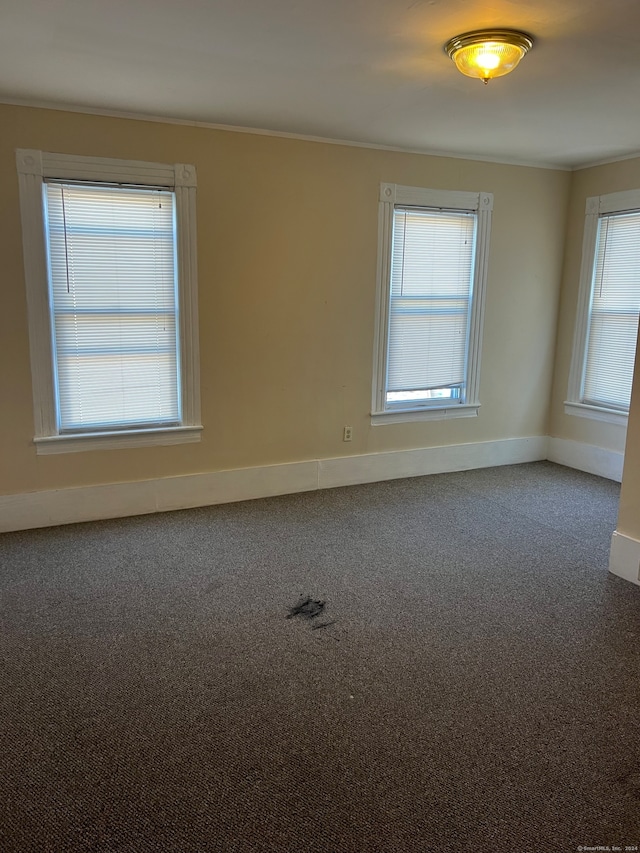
x=488 y=53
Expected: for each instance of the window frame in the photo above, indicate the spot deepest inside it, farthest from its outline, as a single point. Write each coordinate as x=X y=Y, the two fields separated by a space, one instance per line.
x=34 y=167
x=595 y=207
x=481 y=203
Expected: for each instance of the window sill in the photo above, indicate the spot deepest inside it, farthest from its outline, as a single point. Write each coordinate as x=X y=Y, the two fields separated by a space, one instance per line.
x=469 y=410
x=596 y=413
x=113 y=440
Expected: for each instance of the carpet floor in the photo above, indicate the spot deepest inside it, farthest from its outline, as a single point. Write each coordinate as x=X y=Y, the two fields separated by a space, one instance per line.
x=462 y=674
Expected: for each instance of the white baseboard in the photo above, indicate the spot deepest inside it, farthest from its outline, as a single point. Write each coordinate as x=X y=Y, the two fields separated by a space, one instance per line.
x=586 y=457
x=90 y=503
x=624 y=557
x=374 y=467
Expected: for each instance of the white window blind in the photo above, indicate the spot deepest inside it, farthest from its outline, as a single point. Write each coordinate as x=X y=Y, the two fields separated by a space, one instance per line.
x=615 y=307
x=430 y=298
x=114 y=306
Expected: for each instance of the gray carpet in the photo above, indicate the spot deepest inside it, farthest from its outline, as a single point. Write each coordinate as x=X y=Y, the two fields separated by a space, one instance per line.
x=477 y=690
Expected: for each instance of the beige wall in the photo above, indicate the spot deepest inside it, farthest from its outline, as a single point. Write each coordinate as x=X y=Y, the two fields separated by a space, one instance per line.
x=598 y=180
x=287 y=234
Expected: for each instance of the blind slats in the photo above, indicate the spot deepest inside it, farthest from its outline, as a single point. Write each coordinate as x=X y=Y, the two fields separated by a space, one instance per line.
x=431 y=280
x=615 y=307
x=114 y=305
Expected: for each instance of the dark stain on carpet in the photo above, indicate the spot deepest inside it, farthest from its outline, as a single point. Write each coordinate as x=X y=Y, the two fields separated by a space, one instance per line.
x=307 y=608
x=631 y=782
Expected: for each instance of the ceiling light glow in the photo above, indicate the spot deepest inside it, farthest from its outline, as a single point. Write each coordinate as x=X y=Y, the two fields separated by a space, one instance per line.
x=486 y=54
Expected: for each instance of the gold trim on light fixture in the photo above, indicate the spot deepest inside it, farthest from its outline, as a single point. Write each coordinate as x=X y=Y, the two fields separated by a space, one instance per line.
x=486 y=54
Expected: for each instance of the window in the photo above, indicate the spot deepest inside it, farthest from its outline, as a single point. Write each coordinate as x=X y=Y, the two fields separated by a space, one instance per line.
x=110 y=265
x=608 y=309
x=432 y=269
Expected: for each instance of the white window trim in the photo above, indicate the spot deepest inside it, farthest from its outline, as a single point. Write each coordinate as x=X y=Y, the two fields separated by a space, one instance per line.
x=482 y=203
x=33 y=168
x=596 y=413
x=595 y=206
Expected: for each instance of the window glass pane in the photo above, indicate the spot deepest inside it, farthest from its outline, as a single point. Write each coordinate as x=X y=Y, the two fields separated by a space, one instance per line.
x=114 y=305
x=615 y=306
x=431 y=288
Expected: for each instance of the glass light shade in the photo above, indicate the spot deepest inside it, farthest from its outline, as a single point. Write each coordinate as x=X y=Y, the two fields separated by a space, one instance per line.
x=488 y=53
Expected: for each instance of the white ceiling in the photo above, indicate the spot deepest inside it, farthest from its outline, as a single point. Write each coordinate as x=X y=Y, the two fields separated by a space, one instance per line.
x=370 y=71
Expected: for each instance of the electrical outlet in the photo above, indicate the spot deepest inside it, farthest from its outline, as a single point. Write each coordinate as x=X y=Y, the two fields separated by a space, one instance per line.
x=347 y=433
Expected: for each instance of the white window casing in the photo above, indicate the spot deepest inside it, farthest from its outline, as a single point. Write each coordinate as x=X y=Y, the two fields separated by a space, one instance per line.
x=42 y=178
x=607 y=312
x=412 y=347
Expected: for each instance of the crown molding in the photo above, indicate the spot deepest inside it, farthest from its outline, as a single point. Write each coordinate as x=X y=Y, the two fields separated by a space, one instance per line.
x=256 y=131
x=605 y=162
